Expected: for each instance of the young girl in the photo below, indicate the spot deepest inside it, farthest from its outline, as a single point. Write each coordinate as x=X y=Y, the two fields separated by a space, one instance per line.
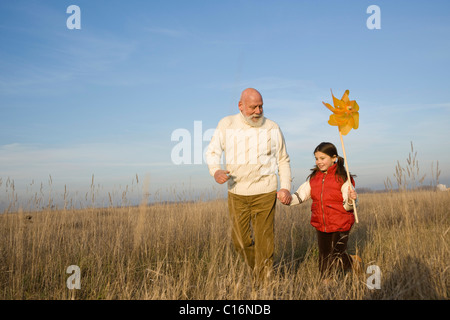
x=332 y=207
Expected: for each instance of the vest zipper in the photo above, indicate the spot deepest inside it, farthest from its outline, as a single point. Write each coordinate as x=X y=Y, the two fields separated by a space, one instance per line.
x=321 y=202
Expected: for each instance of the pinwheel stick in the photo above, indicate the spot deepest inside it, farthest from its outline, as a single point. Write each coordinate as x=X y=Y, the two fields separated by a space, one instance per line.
x=348 y=176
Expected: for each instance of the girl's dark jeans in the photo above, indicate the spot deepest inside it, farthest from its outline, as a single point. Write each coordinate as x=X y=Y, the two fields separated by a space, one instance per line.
x=333 y=252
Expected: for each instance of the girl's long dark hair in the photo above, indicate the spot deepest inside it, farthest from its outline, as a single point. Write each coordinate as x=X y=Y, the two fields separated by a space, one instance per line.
x=330 y=150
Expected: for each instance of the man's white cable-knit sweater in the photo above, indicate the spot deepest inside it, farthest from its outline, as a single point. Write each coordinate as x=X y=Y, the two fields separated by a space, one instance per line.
x=252 y=155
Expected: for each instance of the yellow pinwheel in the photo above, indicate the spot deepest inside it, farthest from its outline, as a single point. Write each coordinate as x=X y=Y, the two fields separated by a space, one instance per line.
x=346 y=117
x=345 y=113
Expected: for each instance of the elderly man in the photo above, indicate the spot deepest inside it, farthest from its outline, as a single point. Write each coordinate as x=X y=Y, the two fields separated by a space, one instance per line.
x=254 y=149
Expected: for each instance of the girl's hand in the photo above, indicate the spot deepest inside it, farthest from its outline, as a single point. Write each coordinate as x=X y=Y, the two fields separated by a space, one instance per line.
x=352 y=194
x=284 y=196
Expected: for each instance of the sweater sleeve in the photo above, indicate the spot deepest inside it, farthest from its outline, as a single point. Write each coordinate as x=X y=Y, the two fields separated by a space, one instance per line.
x=284 y=166
x=214 y=151
x=302 y=194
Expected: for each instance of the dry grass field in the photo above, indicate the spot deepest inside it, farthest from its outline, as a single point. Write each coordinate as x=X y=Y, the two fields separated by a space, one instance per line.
x=183 y=251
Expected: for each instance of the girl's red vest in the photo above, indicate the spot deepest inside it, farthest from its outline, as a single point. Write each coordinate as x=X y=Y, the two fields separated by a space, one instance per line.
x=327 y=210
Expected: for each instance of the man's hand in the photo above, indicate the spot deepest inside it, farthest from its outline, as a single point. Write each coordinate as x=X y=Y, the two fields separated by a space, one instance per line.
x=221 y=176
x=284 y=196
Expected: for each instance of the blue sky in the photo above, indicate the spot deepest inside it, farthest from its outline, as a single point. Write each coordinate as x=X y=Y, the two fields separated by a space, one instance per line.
x=104 y=100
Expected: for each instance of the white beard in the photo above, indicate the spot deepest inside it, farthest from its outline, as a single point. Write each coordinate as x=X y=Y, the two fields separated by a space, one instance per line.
x=252 y=123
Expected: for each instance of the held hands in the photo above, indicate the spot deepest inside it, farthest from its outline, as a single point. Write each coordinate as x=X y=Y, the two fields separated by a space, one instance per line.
x=221 y=176
x=284 y=196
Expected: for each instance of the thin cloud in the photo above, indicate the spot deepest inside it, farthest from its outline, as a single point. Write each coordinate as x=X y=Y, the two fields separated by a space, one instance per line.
x=23 y=159
x=173 y=33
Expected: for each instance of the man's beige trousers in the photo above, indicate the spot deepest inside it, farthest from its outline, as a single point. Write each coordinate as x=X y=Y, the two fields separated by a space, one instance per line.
x=252 y=221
